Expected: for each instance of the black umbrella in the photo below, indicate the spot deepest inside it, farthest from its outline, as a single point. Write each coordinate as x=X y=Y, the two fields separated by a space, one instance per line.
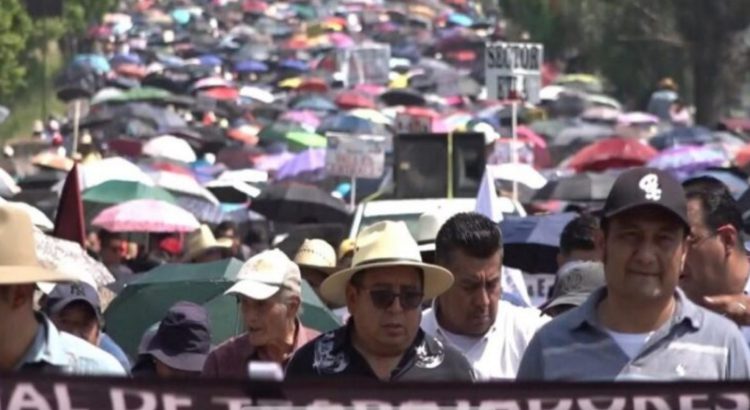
x=403 y=96
x=298 y=203
x=582 y=187
x=531 y=243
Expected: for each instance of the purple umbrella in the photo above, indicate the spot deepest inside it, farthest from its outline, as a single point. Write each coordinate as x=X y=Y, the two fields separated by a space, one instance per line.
x=303 y=118
x=272 y=162
x=685 y=160
x=307 y=164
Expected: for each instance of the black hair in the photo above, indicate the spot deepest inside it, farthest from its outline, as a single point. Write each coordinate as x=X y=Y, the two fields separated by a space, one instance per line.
x=224 y=227
x=472 y=233
x=718 y=205
x=578 y=234
x=106 y=236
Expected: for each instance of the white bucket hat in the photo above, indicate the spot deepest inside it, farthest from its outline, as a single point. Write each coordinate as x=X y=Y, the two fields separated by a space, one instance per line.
x=381 y=245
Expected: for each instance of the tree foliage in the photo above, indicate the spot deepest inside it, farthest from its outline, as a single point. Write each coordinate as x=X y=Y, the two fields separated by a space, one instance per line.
x=15 y=28
x=701 y=43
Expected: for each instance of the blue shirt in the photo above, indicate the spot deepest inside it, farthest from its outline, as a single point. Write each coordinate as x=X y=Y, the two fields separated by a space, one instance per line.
x=55 y=351
x=694 y=344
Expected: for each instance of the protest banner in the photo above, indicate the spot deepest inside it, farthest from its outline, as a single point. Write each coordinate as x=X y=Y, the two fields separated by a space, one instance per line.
x=355 y=156
x=513 y=71
x=53 y=392
x=364 y=64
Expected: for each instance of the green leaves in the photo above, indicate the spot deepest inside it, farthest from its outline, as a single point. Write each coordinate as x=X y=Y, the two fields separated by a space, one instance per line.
x=15 y=27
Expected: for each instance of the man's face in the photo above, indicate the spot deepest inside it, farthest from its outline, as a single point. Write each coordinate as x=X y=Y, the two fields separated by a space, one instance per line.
x=644 y=251
x=78 y=319
x=387 y=330
x=705 y=271
x=266 y=321
x=469 y=307
x=111 y=252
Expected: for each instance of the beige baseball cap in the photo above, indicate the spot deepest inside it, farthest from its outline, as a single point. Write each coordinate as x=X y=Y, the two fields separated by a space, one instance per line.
x=266 y=273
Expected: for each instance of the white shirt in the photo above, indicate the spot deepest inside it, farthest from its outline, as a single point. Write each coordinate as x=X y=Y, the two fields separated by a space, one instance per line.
x=630 y=343
x=746 y=329
x=497 y=354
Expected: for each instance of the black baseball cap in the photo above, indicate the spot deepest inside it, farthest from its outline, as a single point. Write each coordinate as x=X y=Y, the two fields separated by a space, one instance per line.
x=64 y=294
x=645 y=186
x=183 y=339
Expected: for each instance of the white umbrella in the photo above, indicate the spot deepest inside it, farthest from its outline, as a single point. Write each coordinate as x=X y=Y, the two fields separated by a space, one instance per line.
x=257 y=94
x=109 y=169
x=521 y=173
x=244 y=175
x=8 y=186
x=182 y=184
x=38 y=218
x=171 y=148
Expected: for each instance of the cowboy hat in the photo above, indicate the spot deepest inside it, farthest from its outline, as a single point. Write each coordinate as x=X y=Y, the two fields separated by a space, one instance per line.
x=428 y=227
x=316 y=254
x=386 y=244
x=202 y=241
x=18 y=263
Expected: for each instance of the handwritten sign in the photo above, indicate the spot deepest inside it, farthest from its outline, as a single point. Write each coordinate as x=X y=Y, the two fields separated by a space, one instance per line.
x=358 y=156
x=513 y=71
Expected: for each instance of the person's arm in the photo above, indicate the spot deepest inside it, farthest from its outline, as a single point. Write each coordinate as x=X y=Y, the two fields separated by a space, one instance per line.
x=211 y=366
x=735 y=307
x=532 y=364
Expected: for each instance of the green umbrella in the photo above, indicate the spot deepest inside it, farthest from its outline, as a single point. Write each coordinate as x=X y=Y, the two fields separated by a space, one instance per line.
x=146 y=300
x=115 y=192
x=300 y=140
x=142 y=94
x=152 y=294
x=278 y=130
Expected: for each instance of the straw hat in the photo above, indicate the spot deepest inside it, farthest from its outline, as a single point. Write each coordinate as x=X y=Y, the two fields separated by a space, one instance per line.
x=18 y=263
x=316 y=254
x=428 y=227
x=202 y=241
x=382 y=245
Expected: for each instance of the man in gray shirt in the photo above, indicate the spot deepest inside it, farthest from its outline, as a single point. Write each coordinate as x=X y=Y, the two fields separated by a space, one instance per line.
x=640 y=326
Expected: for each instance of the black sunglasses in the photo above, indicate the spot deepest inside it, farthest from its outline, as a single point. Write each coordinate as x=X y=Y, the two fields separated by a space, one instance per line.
x=408 y=299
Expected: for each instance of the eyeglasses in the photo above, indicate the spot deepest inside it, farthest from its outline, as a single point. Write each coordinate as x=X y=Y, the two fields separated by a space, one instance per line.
x=408 y=299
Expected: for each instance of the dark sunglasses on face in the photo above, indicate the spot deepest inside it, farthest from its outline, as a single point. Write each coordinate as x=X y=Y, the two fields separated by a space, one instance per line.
x=384 y=298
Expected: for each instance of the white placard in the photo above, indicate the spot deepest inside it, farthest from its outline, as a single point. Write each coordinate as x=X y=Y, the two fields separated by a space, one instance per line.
x=358 y=156
x=412 y=124
x=513 y=70
x=365 y=64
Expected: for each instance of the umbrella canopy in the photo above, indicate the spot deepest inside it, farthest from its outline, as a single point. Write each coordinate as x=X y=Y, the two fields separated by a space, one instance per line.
x=8 y=186
x=685 y=160
x=182 y=184
x=354 y=99
x=109 y=169
x=351 y=124
x=146 y=215
x=682 y=136
x=582 y=187
x=115 y=192
x=314 y=103
x=170 y=147
x=38 y=218
x=612 y=153
x=304 y=140
x=228 y=191
x=531 y=243
x=69 y=257
x=296 y=203
x=736 y=181
x=371 y=115
x=403 y=96
x=155 y=291
x=307 y=162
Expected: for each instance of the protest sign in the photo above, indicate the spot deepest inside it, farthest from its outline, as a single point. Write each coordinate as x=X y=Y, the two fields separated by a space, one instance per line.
x=412 y=124
x=365 y=64
x=505 y=149
x=513 y=71
x=355 y=156
x=47 y=392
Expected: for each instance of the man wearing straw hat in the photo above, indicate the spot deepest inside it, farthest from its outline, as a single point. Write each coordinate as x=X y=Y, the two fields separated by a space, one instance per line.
x=316 y=260
x=29 y=341
x=384 y=290
x=203 y=247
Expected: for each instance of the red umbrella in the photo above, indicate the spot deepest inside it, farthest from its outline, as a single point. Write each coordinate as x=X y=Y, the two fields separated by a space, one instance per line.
x=313 y=84
x=352 y=99
x=222 y=93
x=254 y=6
x=742 y=158
x=171 y=167
x=421 y=112
x=612 y=153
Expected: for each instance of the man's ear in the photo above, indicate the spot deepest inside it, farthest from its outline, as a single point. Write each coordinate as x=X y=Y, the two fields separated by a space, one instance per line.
x=729 y=237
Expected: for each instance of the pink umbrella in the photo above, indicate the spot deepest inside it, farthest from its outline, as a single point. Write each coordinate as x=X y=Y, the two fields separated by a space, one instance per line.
x=372 y=89
x=340 y=40
x=146 y=215
x=302 y=117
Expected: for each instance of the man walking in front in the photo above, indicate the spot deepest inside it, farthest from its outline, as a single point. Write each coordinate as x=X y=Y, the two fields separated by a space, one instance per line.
x=640 y=326
x=491 y=333
x=384 y=290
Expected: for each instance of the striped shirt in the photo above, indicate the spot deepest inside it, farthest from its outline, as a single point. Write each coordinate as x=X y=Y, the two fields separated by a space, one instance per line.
x=694 y=344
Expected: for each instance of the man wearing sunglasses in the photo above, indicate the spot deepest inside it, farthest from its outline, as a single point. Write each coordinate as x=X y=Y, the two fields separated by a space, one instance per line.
x=716 y=268
x=383 y=290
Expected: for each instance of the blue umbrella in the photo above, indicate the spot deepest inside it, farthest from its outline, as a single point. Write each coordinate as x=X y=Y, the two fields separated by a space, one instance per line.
x=737 y=185
x=460 y=19
x=309 y=162
x=531 y=243
x=294 y=65
x=97 y=62
x=350 y=124
x=314 y=103
x=682 y=136
x=251 y=66
x=210 y=60
x=181 y=16
x=119 y=59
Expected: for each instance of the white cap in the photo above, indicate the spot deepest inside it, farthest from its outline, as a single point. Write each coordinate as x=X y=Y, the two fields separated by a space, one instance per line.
x=263 y=275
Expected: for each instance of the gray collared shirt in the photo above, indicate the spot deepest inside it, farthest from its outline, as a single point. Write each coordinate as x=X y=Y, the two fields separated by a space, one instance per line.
x=694 y=344
x=53 y=350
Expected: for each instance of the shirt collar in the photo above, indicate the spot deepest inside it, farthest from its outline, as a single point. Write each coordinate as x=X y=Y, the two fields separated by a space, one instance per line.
x=587 y=313
x=47 y=346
